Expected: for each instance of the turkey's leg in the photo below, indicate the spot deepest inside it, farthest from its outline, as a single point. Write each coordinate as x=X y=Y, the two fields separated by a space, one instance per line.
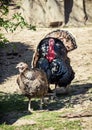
x=41 y=103
x=54 y=93
x=29 y=106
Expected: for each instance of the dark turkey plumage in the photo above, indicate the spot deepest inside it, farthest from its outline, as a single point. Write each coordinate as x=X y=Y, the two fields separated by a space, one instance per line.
x=32 y=82
x=51 y=56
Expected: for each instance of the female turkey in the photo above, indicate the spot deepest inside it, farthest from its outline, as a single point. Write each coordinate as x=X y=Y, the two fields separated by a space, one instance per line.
x=32 y=82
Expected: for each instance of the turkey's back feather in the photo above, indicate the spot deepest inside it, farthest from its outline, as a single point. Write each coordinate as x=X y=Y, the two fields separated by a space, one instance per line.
x=66 y=37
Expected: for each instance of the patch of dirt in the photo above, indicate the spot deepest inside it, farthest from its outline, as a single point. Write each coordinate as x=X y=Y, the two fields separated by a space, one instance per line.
x=25 y=42
x=24 y=122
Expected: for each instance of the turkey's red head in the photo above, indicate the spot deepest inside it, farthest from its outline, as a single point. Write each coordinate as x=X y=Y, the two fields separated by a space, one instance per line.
x=22 y=66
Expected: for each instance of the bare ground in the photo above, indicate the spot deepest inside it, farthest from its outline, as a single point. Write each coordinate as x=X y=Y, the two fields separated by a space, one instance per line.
x=25 y=42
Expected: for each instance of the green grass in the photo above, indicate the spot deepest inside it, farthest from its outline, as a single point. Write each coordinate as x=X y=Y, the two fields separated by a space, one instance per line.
x=44 y=120
x=53 y=119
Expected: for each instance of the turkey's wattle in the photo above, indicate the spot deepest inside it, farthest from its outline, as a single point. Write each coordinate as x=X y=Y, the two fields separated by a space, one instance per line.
x=51 y=53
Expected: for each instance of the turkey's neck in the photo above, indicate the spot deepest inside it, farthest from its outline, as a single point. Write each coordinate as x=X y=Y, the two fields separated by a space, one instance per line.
x=23 y=70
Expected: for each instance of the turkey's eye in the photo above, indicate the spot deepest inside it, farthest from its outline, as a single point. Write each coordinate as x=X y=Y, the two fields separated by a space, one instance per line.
x=21 y=65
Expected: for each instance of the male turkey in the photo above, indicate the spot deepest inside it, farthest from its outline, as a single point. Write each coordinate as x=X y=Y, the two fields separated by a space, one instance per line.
x=32 y=82
x=51 y=56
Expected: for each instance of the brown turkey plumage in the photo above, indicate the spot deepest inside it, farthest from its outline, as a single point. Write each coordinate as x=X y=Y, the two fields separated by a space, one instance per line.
x=32 y=82
x=66 y=37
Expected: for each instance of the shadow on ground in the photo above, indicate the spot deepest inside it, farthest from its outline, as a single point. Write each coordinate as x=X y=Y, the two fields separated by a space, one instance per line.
x=12 y=54
x=78 y=95
x=14 y=106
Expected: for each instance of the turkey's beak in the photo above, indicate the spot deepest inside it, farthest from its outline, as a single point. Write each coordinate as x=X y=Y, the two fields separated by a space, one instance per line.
x=17 y=66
